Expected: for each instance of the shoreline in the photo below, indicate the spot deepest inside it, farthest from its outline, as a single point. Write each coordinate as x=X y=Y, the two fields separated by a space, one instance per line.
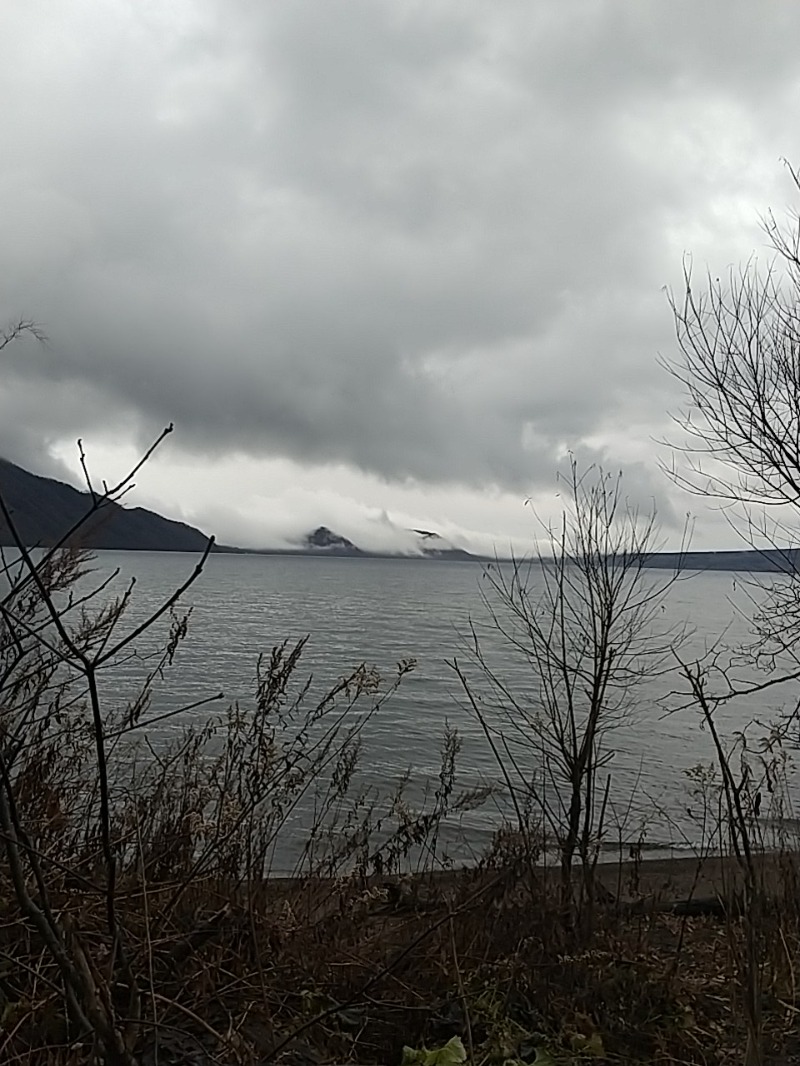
x=660 y=882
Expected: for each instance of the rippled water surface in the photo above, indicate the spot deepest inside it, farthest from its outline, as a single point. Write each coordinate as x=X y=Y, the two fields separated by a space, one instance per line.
x=381 y=611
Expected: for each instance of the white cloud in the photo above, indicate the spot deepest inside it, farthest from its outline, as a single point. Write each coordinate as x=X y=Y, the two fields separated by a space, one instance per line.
x=403 y=256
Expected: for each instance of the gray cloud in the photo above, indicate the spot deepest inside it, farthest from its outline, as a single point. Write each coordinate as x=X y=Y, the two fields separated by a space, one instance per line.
x=427 y=241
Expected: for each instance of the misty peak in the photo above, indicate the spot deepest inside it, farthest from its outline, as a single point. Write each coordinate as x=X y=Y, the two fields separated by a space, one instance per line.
x=325 y=539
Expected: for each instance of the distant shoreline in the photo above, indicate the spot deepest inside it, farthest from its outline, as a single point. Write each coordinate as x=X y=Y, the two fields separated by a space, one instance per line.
x=769 y=561
x=44 y=510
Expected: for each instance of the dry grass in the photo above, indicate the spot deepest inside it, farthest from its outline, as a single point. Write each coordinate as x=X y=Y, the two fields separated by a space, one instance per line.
x=351 y=970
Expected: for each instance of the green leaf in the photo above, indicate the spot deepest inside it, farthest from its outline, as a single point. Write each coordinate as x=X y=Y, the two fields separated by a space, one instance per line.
x=594 y=1046
x=453 y=1053
x=589 y=1045
x=411 y=1056
x=543 y=1058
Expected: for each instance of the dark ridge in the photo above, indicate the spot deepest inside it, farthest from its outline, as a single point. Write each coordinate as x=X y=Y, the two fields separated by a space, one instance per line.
x=44 y=510
x=324 y=539
x=768 y=560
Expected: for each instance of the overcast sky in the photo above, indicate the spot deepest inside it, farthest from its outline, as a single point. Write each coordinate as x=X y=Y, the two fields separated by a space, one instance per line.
x=381 y=262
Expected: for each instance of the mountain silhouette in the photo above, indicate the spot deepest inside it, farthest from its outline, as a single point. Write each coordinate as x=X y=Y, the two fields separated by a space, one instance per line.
x=43 y=511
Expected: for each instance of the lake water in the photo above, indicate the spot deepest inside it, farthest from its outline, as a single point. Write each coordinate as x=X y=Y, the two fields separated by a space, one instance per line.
x=380 y=611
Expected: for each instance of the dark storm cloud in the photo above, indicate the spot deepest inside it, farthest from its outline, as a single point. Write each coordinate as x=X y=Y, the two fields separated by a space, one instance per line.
x=426 y=240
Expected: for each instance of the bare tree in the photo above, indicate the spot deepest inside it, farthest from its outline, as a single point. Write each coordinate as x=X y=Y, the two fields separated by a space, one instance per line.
x=584 y=617
x=52 y=654
x=739 y=364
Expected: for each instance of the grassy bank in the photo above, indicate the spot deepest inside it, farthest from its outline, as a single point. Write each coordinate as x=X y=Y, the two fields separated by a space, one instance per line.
x=352 y=969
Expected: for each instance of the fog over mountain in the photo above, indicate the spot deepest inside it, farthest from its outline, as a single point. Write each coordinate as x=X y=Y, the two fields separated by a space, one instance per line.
x=384 y=265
